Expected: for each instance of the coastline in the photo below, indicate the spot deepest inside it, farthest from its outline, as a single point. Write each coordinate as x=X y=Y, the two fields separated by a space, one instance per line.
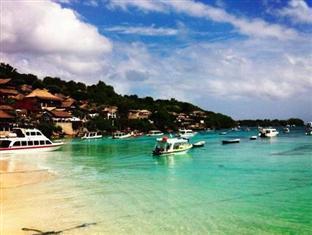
x=15 y=176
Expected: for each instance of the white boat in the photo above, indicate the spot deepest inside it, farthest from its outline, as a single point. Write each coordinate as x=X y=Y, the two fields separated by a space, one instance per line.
x=199 y=144
x=167 y=146
x=286 y=130
x=254 y=137
x=154 y=133
x=92 y=135
x=186 y=133
x=121 y=135
x=30 y=140
x=268 y=132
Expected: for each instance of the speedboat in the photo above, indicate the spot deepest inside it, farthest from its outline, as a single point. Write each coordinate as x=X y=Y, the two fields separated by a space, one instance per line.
x=165 y=146
x=27 y=140
x=231 y=141
x=186 y=133
x=91 y=135
x=268 y=132
x=121 y=135
x=154 y=133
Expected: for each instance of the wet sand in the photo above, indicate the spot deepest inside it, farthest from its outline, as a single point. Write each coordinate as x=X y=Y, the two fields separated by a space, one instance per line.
x=15 y=177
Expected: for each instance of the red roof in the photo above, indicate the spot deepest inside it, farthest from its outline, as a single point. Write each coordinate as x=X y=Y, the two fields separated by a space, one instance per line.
x=5 y=115
x=6 y=91
x=4 y=80
x=61 y=114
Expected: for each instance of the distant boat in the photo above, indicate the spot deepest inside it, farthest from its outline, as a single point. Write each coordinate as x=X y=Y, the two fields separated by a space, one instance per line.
x=286 y=130
x=92 y=135
x=223 y=133
x=154 y=133
x=167 y=146
x=199 y=144
x=231 y=141
x=186 y=133
x=120 y=135
x=268 y=132
x=309 y=132
x=254 y=137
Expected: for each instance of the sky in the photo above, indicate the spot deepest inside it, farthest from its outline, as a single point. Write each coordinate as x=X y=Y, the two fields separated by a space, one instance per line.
x=244 y=58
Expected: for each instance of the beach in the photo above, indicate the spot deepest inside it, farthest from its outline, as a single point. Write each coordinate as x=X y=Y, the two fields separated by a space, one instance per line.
x=116 y=187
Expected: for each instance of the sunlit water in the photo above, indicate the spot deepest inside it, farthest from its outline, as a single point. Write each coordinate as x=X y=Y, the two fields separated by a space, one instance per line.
x=254 y=187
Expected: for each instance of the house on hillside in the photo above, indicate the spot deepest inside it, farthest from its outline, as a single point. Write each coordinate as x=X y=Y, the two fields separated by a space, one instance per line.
x=39 y=99
x=6 y=121
x=64 y=119
x=110 y=112
x=139 y=114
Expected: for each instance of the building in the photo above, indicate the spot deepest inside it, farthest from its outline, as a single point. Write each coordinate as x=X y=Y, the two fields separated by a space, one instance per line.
x=110 y=112
x=39 y=99
x=139 y=114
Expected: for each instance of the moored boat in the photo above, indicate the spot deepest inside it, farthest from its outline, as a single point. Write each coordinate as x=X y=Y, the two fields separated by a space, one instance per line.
x=254 y=137
x=120 y=135
x=30 y=140
x=231 y=141
x=186 y=133
x=154 y=133
x=199 y=144
x=92 y=135
x=165 y=146
x=286 y=130
x=268 y=132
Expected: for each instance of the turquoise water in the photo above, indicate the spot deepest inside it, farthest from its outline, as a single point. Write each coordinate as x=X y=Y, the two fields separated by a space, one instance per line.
x=254 y=187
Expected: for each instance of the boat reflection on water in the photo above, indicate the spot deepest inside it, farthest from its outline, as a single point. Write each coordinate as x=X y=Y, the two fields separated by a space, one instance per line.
x=173 y=161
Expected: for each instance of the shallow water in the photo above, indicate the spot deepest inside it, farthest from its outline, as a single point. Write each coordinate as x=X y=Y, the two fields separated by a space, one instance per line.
x=254 y=187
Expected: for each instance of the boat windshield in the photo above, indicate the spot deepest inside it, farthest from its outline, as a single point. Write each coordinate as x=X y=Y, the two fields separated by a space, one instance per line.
x=18 y=133
x=5 y=143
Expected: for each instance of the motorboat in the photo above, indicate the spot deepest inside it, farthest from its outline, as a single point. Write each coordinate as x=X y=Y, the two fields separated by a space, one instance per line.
x=121 y=135
x=268 y=132
x=92 y=135
x=154 y=133
x=254 y=137
x=199 y=144
x=165 y=146
x=27 y=140
x=136 y=134
x=186 y=133
x=231 y=141
x=286 y=130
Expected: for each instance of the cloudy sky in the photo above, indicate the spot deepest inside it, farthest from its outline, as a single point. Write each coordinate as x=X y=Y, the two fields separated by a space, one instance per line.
x=244 y=58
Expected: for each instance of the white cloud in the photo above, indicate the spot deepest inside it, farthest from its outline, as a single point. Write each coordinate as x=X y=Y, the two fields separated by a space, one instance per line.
x=251 y=27
x=42 y=37
x=142 y=30
x=45 y=27
x=298 y=10
x=144 y=5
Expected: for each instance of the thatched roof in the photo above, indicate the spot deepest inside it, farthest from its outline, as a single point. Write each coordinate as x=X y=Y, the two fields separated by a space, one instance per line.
x=60 y=114
x=68 y=102
x=6 y=91
x=6 y=107
x=43 y=94
x=4 y=80
x=5 y=115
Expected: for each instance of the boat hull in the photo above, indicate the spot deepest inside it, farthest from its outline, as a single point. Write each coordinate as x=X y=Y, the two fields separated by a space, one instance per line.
x=32 y=149
x=176 y=151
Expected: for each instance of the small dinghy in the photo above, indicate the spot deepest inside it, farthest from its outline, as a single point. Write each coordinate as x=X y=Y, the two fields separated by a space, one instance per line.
x=232 y=141
x=254 y=137
x=199 y=144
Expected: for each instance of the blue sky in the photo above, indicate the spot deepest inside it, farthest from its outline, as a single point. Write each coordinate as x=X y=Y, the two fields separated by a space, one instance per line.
x=244 y=58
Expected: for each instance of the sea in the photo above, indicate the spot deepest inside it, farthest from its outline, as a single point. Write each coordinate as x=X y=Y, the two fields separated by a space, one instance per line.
x=109 y=186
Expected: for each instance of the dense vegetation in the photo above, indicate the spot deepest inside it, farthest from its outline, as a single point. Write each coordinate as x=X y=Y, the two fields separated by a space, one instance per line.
x=103 y=94
x=274 y=122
